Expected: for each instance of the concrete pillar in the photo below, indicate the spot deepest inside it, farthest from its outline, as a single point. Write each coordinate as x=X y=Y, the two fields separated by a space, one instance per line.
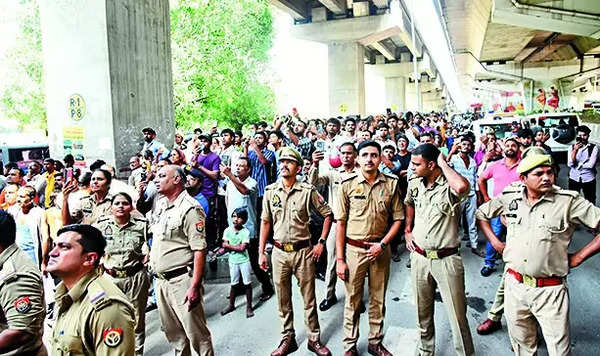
x=346 y=78
x=107 y=68
x=395 y=93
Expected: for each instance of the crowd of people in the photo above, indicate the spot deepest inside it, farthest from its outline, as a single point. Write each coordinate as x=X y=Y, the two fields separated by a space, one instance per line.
x=326 y=199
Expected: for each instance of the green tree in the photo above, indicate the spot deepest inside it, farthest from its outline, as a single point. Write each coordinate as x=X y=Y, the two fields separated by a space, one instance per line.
x=220 y=51
x=22 y=95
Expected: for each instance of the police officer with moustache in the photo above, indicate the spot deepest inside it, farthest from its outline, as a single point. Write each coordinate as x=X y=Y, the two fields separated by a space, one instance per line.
x=367 y=202
x=433 y=199
x=93 y=316
x=332 y=178
x=177 y=258
x=22 y=308
x=286 y=209
x=125 y=258
x=540 y=219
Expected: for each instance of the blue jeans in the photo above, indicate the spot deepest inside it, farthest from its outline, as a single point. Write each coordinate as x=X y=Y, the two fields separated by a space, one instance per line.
x=490 y=253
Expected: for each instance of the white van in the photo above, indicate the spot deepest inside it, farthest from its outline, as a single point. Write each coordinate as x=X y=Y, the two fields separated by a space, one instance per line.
x=560 y=126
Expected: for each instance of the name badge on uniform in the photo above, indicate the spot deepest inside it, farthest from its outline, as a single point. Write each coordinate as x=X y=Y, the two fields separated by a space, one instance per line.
x=362 y=197
x=276 y=201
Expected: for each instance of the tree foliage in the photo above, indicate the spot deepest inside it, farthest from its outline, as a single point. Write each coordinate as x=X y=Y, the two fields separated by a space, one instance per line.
x=220 y=51
x=22 y=95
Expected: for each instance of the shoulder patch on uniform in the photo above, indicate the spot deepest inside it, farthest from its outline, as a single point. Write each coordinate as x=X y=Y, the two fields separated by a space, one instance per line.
x=112 y=337
x=22 y=305
x=200 y=226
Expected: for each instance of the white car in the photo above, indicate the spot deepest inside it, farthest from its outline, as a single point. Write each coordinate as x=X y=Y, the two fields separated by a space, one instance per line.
x=560 y=126
x=501 y=123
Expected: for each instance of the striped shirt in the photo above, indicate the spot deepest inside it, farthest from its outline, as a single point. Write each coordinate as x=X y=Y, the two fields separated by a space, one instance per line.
x=259 y=170
x=469 y=173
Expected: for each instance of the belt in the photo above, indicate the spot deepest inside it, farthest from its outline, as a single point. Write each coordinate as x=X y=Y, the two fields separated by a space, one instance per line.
x=535 y=282
x=360 y=243
x=124 y=272
x=173 y=273
x=436 y=254
x=292 y=246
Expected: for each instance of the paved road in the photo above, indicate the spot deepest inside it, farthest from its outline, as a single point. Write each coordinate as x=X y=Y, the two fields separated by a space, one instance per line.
x=236 y=335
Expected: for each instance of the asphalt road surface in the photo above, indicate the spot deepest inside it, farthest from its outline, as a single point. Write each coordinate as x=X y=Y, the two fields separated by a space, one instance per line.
x=233 y=334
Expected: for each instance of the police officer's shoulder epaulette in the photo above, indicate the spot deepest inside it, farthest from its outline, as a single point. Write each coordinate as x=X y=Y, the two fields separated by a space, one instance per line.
x=413 y=177
x=8 y=272
x=102 y=293
x=271 y=186
x=305 y=185
x=389 y=175
x=139 y=219
x=571 y=193
x=85 y=197
x=349 y=177
x=514 y=187
x=103 y=219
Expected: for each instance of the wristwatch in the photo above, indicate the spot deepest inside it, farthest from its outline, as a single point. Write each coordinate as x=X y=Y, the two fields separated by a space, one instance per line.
x=383 y=245
x=322 y=241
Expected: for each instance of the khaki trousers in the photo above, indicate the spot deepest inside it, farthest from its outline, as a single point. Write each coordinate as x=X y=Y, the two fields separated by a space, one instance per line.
x=299 y=264
x=378 y=273
x=182 y=327
x=549 y=306
x=136 y=290
x=497 y=309
x=448 y=275
x=330 y=273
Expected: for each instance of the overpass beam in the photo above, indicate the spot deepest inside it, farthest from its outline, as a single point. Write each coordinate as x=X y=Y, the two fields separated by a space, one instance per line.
x=336 y=6
x=346 y=78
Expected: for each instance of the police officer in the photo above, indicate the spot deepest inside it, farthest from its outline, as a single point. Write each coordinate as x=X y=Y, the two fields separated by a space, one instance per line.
x=125 y=257
x=22 y=308
x=93 y=316
x=540 y=219
x=177 y=258
x=367 y=202
x=90 y=207
x=286 y=209
x=433 y=200
x=332 y=178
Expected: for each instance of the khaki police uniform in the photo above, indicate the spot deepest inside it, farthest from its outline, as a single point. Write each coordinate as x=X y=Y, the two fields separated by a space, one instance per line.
x=537 y=240
x=177 y=233
x=22 y=300
x=88 y=211
x=368 y=211
x=126 y=247
x=333 y=179
x=289 y=213
x=437 y=212
x=93 y=318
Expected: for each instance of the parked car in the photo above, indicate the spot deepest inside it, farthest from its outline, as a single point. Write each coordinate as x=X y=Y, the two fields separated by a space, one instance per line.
x=24 y=154
x=560 y=126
